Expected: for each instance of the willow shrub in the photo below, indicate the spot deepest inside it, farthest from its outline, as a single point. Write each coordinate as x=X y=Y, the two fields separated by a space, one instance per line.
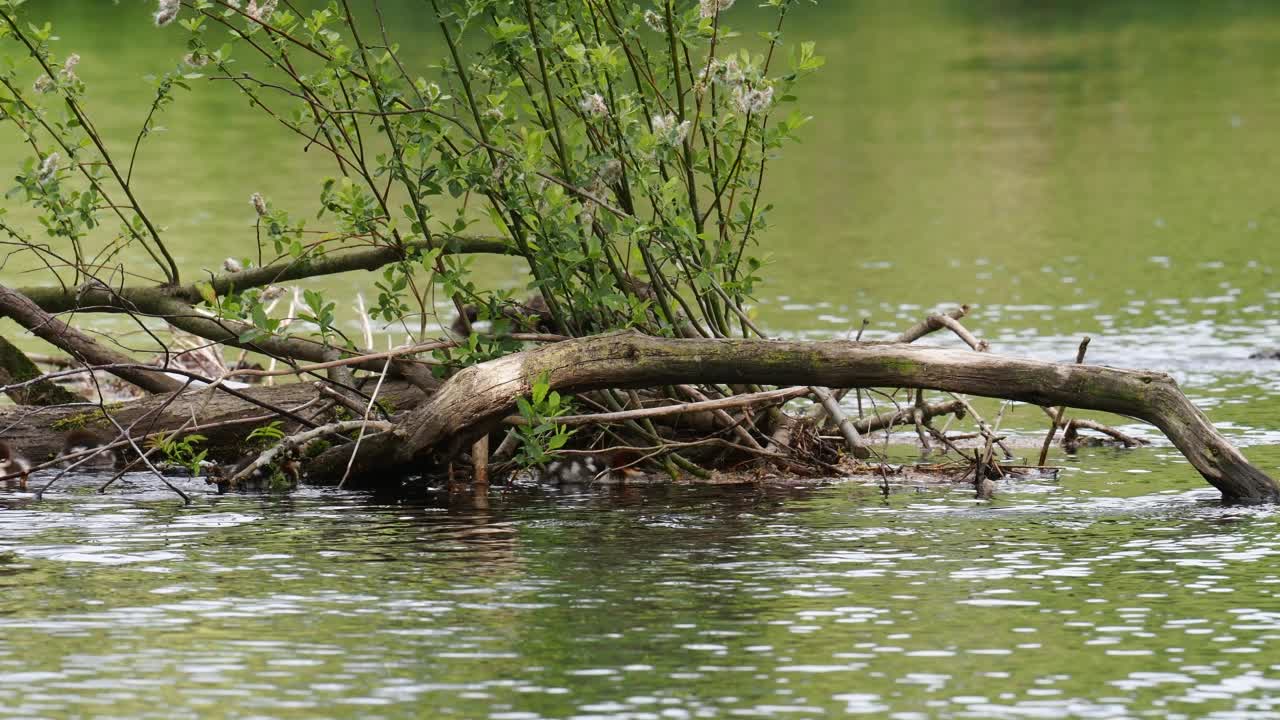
x=619 y=148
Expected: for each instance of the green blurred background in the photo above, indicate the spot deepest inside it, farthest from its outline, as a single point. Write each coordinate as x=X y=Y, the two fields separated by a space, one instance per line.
x=1068 y=166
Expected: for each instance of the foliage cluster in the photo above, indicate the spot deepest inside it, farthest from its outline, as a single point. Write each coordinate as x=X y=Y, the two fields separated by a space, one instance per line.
x=619 y=148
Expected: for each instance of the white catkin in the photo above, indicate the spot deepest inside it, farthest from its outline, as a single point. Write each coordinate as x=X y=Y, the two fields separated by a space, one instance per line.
x=166 y=12
x=48 y=167
x=709 y=8
x=593 y=104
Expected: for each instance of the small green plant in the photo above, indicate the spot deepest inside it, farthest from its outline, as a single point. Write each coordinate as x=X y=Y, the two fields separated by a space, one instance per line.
x=267 y=435
x=541 y=437
x=316 y=448
x=182 y=451
x=319 y=312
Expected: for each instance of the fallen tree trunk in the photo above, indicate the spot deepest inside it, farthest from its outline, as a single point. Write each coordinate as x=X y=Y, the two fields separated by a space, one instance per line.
x=16 y=367
x=37 y=432
x=476 y=399
x=77 y=344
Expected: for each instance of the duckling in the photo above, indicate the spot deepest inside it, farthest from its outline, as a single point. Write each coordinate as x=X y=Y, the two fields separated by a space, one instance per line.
x=11 y=463
x=613 y=468
x=533 y=315
x=84 y=440
x=285 y=473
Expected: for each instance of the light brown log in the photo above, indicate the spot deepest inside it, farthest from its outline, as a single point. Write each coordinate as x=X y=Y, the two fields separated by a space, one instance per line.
x=478 y=397
x=37 y=432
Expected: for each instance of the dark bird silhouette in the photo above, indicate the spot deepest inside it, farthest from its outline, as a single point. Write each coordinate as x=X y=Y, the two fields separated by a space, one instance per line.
x=11 y=463
x=83 y=440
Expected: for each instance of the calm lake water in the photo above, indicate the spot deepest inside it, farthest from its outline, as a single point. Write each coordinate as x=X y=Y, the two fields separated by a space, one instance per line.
x=1071 y=167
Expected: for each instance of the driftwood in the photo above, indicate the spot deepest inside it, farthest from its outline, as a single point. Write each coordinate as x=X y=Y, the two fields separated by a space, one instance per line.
x=476 y=399
x=474 y=402
x=223 y=418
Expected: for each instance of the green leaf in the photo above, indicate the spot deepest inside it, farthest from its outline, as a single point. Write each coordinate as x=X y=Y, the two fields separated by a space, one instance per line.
x=207 y=293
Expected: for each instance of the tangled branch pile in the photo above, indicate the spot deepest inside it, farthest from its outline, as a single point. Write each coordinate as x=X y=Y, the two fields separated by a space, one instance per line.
x=618 y=150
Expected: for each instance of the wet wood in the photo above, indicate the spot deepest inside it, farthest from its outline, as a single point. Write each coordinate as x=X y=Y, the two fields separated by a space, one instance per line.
x=38 y=431
x=476 y=399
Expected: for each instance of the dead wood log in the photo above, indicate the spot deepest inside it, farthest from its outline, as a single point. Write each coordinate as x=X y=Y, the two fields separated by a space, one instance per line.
x=476 y=399
x=16 y=367
x=930 y=324
x=37 y=432
x=81 y=346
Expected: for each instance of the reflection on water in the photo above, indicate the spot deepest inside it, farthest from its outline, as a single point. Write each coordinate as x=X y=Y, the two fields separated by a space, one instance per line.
x=1057 y=600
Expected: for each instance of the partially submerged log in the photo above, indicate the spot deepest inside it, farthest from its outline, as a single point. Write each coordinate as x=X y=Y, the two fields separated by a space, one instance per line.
x=475 y=400
x=224 y=419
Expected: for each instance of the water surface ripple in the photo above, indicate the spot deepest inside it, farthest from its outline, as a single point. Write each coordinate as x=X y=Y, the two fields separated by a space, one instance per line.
x=1092 y=597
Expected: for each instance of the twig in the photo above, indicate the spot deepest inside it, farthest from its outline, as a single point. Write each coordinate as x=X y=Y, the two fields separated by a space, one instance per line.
x=365 y=422
x=984 y=428
x=853 y=441
x=930 y=324
x=902 y=417
x=725 y=418
x=960 y=330
x=1069 y=434
x=81 y=346
x=341 y=399
x=750 y=400
x=917 y=419
x=302 y=439
x=1056 y=415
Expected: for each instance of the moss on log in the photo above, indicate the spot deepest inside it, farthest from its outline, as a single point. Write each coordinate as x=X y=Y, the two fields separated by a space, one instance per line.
x=16 y=367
